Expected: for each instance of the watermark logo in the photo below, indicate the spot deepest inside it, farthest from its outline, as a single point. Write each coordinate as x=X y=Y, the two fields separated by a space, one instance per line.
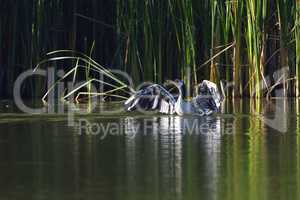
x=131 y=127
x=57 y=91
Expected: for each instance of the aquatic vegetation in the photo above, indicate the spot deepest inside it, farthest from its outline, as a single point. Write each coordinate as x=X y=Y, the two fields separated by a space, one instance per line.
x=90 y=68
x=297 y=40
x=241 y=42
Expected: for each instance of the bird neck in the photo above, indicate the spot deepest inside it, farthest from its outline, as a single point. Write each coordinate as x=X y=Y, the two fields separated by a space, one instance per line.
x=180 y=97
x=182 y=93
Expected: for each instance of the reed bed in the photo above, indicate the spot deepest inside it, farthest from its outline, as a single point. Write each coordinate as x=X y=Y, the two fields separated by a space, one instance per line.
x=241 y=43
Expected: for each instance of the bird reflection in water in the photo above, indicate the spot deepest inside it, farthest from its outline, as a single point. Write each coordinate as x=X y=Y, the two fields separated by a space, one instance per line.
x=173 y=125
x=168 y=137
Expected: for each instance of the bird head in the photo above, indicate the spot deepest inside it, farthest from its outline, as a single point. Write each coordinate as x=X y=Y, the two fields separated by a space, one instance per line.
x=181 y=87
x=179 y=84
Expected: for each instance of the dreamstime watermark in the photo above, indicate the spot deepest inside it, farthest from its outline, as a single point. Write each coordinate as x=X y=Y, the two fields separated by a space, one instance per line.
x=57 y=94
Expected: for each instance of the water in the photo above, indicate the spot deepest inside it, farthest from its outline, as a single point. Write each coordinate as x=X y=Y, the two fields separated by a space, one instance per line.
x=234 y=156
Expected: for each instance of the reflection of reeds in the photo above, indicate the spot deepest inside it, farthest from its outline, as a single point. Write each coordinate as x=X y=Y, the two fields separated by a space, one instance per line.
x=241 y=41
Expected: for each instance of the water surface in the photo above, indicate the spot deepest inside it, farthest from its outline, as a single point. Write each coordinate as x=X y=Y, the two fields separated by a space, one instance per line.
x=234 y=155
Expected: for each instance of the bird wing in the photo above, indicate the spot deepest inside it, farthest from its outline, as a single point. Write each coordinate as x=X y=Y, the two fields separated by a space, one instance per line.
x=210 y=100
x=152 y=98
x=204 y=104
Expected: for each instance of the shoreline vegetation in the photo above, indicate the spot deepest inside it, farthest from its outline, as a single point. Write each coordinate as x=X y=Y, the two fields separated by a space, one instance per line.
x=244 y=43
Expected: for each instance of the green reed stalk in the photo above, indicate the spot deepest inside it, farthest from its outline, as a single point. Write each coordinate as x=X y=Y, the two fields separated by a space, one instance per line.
x=297 y=40
x=224 y=34
x=160 y=40
x=148 y=43
x=237 y=34
x=256 y=41
x=283 y=9
x=178 y=45
x=227 y=27
x=188 y=43
x=213 y=73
